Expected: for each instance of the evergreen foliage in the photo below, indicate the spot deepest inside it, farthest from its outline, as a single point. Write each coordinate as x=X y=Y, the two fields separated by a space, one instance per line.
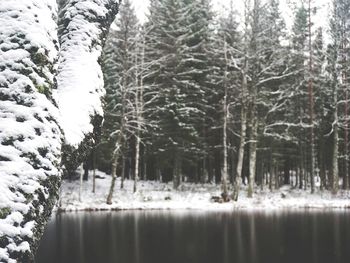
x=218 y=88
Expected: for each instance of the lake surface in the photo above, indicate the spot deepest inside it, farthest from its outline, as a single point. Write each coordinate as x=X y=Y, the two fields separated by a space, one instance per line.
x=197 y=237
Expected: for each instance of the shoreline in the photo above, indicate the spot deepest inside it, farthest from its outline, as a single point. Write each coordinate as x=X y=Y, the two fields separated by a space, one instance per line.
x=153 y=195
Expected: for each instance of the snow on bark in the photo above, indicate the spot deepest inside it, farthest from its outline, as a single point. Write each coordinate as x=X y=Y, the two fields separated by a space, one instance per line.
x=30 y=122
x=80 y=79
x=30 y=138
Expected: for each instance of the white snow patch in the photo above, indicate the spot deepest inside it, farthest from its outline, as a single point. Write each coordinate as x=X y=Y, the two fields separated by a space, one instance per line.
x=30 y=139
x=80 y=78
x=155 y=195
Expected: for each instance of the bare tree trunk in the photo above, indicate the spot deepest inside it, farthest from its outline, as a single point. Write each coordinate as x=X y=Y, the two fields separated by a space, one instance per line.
x=159 y=175
x=224 y=172
x=123 y=174
x=115 y=159
x=137 y=133
x=244 y=90
x=81 y=182
x=335 y=154
x=144 y=174
x=272 y=175
x=322 y=164
x=94 y=170
x=239 y=167
x=177 y=171
x=137 y=158
x=335 y=169
x=346 y=129
x=311 y=105
x=118 y=144
x=139 y=111
x=252 y=152
x=262 y=174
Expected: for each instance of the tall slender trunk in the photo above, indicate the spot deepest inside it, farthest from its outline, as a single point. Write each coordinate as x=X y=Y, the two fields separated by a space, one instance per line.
x=139 y=110
x=239 y=167
x=335 y=167
x=138 y=126
x=123 y=174
x=346 y=131
x=81 y=182
x=272 y=183
x=261 y=174
x=244 y=90
x=224 y=173
x=115 y=159
x=94 y=170
x=322 y=159
x=118 y=143
x=177 y=171
x=252 y=149
x=311 y=105
x=137 y=159
x=144 y=174
x=204 y=175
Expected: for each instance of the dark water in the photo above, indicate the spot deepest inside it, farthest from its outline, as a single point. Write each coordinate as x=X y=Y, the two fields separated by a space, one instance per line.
x=197 y=237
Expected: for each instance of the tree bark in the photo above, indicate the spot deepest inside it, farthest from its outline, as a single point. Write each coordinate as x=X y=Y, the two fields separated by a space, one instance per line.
x=26 y=94
x=335 y=154
x=177 y=171
x=30 y=136
x=346 y=109
x=239 y=167
x=224 y=172
x=311 y=107
x=94 y=170
x=252 y=152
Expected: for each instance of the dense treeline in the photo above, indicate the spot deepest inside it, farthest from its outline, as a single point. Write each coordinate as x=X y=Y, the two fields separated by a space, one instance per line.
x=192 y=96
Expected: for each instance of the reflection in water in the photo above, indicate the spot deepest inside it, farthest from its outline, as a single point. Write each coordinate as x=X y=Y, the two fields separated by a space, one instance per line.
x=197 y=237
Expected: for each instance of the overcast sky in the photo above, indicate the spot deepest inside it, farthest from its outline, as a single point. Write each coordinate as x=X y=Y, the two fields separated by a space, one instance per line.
x=320 y=19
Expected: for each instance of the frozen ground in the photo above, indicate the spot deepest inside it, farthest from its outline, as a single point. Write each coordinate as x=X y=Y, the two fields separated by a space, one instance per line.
x=155 y=195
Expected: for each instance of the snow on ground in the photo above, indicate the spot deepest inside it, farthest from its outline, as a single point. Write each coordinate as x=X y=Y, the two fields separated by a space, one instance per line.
x=155 y=195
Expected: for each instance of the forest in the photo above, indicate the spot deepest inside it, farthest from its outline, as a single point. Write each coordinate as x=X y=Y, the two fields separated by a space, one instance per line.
x=193 y=96
x=188 y=109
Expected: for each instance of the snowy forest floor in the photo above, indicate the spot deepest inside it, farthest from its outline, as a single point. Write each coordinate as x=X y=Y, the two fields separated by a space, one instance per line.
x=156 y=195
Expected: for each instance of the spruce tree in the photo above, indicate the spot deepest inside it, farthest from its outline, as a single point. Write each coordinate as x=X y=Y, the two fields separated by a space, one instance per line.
x=176 y=46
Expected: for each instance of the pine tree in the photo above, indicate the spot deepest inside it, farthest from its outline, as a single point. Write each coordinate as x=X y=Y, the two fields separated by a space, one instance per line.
x=338 y=78
x=175 y=45
x=264 y=66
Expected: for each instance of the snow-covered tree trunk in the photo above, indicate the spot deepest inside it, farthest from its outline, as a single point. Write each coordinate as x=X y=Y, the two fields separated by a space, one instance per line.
x=115 y=160
x=30 y=137
x=239 y=167
x=335 y=169
x=83 y=27
x=30 y=123
x=139 y=107
x=123 y=174
x=346 y=108
x=94 y=171
x=224 y=173
x=334 y=53
x=252 y=151
x=119 y=142
x=137 y=159
x=137 y=135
